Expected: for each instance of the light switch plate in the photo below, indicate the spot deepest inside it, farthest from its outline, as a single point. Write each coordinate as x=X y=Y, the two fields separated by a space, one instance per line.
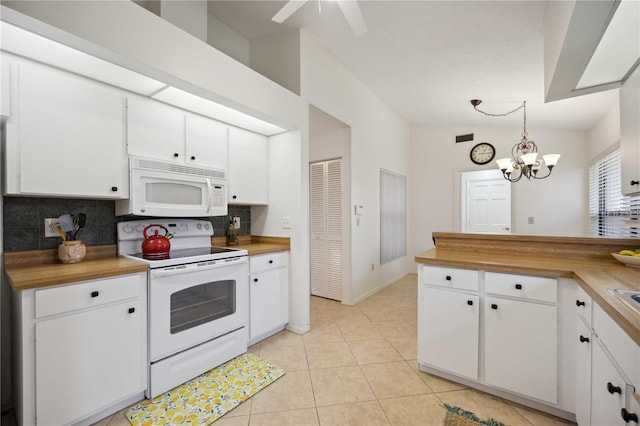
x=286 y=222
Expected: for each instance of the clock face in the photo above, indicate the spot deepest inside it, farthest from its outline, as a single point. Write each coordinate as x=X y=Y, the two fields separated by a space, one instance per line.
x=482 y=153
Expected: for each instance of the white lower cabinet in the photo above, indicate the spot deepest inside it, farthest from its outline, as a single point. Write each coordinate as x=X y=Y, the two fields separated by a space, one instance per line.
x=584 y=341
x=453 y=344
x=607 y=390
x=520 y=347
x=83 y=349
x=268 y=295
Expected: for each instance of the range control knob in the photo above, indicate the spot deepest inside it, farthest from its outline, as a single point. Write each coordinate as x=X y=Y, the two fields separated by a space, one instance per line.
x=127 y=229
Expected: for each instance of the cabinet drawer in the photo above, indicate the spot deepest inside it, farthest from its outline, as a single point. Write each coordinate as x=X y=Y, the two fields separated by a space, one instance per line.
x=58 y=300
x=583 y=305
x=522 y=286
x=466 y=279
x=268 y=261
x=621 y=347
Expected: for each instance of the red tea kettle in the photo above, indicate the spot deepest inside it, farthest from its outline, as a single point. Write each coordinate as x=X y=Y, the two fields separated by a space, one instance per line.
x=156 y=244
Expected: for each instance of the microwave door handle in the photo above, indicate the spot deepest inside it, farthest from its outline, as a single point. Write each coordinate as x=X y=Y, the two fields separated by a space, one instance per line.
x=210 y=194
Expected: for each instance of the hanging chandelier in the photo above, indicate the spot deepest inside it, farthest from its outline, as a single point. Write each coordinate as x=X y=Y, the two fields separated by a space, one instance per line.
x=524 y=159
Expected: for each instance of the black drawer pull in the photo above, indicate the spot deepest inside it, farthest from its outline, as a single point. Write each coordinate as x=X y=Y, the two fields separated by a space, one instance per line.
x=634 y=183
x=132 y=310
x=95 y=294
x=579 y=303
x=448 y=278
x=234 y=197
x=628 y=417
x=114 y=188
x=176 y=155
x=193 y=157
x=613 y=389
x=470 y=302
x=271 y=261
x=584 y=339
x=494 y=306
x=518 y=286
x=255 y=280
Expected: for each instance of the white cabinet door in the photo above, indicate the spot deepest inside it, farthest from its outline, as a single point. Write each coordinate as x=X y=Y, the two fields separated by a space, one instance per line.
x=88 y=360
x=583 y=341
x=248 y=173
x=607 y=390
x=630 y=133
x=66 y=136
x=450 y=331
x=155 y=130
x=521 y=347
x=269 y=296
x=206 y=142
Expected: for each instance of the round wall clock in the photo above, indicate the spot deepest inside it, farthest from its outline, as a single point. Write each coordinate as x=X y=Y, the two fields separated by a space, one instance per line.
x=482 y=153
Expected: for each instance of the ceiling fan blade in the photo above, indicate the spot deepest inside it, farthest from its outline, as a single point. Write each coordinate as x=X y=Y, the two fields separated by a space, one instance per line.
x=351 y=11
x=288 y=10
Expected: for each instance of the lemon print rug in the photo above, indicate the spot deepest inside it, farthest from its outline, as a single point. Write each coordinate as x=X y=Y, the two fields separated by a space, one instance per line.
x=209 y=396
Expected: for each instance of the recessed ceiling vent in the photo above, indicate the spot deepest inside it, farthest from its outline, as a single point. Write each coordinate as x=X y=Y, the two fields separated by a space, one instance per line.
x=464 y=138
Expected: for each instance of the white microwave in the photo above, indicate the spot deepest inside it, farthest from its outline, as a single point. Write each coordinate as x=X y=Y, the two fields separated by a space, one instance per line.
x=157 y=188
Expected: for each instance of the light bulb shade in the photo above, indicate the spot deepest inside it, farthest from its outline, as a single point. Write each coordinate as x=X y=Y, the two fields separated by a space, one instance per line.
x=504 y=163
x=551 y=159
x=530 y=158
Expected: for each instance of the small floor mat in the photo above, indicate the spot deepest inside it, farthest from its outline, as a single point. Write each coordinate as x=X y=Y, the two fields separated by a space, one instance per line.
x=209 y=396
x=457 y=416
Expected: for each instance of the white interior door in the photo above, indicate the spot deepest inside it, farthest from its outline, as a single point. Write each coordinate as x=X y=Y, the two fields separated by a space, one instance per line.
x=486 y=205
x=326 y=229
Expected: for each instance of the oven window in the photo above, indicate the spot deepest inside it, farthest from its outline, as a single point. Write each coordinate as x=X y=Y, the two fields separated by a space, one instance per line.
x=203 y=303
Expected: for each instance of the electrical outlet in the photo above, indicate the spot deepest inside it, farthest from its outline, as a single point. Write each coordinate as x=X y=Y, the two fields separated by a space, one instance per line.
x=51 y=226
x=286 y=222
x=236 y=222
x=530 y=220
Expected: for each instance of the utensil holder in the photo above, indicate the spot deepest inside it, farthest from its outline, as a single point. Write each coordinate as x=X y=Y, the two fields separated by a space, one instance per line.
x=71 y=251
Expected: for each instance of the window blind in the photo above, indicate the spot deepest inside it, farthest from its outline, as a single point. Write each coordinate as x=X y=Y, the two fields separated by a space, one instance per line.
x=611 y=213
x=392 y=216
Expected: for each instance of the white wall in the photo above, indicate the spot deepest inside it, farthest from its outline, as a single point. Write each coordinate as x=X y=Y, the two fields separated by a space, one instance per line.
x=278 y=58
x=605 y=133
x=379 y=139
x=225 y=39
x=558 y=203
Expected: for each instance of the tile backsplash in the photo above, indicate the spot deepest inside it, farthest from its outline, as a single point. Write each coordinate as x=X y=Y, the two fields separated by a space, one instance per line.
x=23 y=221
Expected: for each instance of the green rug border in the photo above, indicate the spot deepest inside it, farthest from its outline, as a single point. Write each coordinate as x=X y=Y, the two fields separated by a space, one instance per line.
x=454 y=409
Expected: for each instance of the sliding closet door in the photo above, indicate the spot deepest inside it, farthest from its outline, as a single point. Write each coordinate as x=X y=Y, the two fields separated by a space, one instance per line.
x=326 y=229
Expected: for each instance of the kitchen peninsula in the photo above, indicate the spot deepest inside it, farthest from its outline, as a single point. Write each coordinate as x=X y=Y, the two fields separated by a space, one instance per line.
x=531 y=319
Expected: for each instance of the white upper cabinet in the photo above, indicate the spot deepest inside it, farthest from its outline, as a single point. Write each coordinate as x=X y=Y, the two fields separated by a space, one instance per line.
x=155 y=130
x=161 y=131
x=248 y=173
x=65 y=135
x=206 y=142
x=630 y=133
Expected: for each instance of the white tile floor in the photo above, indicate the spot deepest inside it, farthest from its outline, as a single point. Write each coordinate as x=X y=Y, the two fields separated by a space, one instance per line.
x=357 y=366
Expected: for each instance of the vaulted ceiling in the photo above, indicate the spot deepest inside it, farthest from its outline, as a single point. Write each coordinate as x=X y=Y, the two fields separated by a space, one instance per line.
x=427 y=59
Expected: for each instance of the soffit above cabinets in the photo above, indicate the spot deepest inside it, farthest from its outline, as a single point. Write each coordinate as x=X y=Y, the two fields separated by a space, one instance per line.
x=32 y=46
x=599 y=49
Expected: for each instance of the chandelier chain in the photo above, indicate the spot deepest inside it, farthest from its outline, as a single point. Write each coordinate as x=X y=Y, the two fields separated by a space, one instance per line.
x=504 y=114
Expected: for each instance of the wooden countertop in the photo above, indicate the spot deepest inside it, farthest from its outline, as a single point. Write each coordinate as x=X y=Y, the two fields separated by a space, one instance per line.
x=586 y=260
x=41 y=268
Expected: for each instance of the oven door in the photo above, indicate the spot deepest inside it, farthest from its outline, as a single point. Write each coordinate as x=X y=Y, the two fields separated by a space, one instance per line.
x=194 y=303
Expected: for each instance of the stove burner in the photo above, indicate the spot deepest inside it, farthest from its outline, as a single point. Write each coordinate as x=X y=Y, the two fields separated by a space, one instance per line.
x=157 y=256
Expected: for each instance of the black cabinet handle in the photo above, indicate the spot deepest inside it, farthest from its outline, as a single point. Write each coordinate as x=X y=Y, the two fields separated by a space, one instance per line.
x=518 y=286
x=255 y=280
x=584 y=339
x=114 y=188
x=613 y=389
x=95 y=294
x=271 y=261
x=234 y=197
x=635 y=182
x=470 y=302
x=176 y=155
x=448 y=278
x=628 y=417
x=494 y=306
x=579 y=303
x=193 y=157
x=132 y=310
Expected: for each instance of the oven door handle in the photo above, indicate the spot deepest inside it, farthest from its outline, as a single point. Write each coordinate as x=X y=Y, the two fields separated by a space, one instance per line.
x=195 y=267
